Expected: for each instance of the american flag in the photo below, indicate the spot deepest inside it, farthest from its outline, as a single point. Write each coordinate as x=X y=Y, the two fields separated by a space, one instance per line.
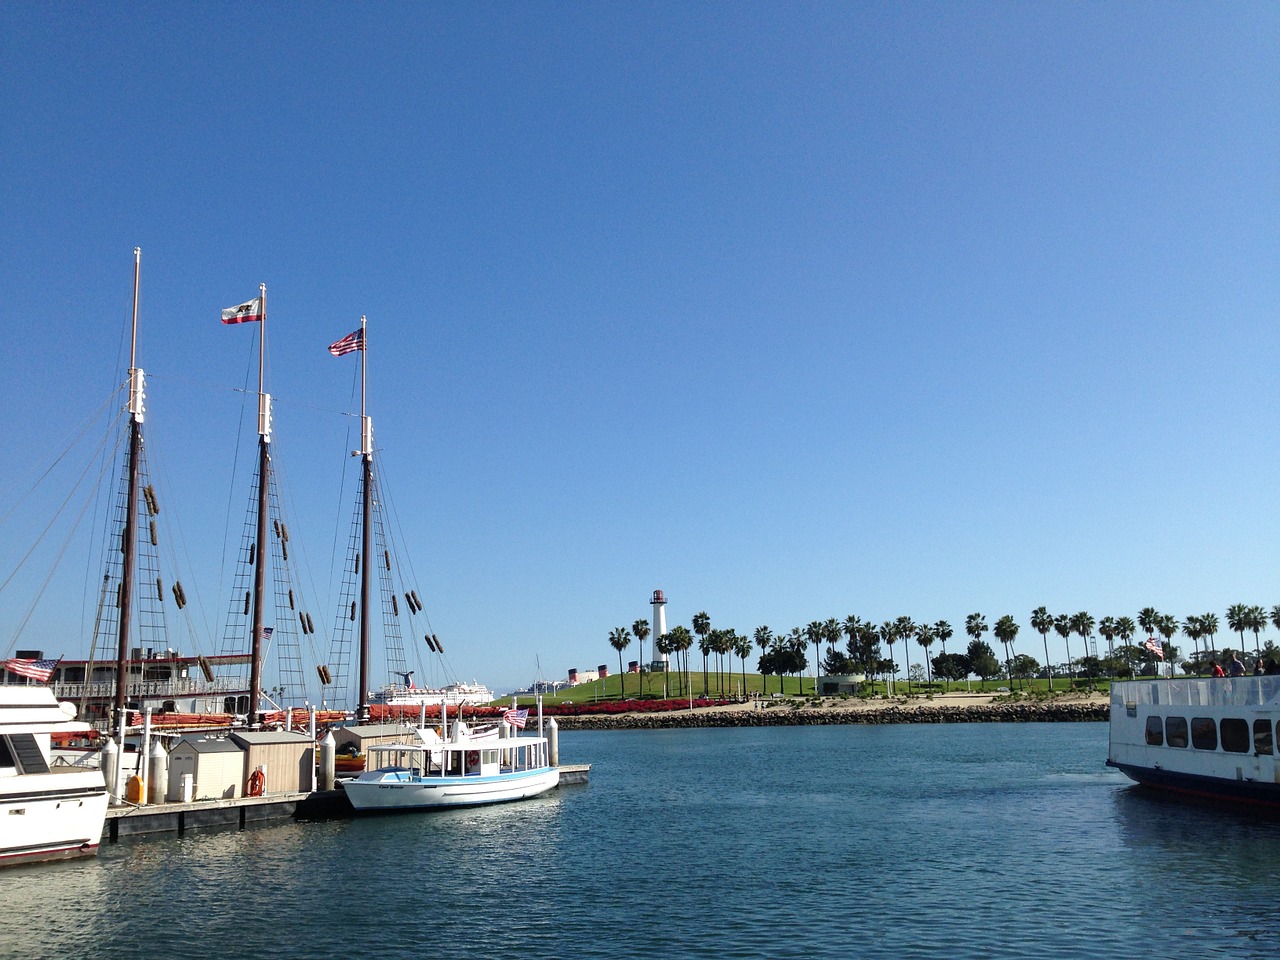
x=40 y=670
x=1155 y=647
x=348 y=344
x=517 y=718
x=244 y=312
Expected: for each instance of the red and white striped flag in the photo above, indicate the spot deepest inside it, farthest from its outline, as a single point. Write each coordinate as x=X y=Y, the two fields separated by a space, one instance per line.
x=40 y=670
x=516 y=718
x=244 y=312
x=1155 y=647
x=348 y=344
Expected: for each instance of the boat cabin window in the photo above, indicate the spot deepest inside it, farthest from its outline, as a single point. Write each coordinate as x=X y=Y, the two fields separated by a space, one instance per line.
x=6 y=758
x=1262 y=739
x=1175 y=731
x=1235 y=735
x=1204 y=733
x=1155 y=732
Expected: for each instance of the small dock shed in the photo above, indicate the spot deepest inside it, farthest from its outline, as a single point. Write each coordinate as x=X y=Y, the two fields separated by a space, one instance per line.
x=214 y=764
x=285 y=759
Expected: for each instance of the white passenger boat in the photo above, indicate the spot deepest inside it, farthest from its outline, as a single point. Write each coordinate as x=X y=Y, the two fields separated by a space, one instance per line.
x=1205 y=737
x=47 y=812
x=466 y=769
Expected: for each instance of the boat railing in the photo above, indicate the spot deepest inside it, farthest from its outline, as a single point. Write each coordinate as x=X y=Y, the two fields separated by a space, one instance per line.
x=151 y=689
x=1198 y=691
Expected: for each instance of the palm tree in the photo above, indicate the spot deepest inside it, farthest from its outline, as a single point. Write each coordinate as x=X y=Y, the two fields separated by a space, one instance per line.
x=662 y=647
x=640 y=630
x=975 y=625
x=742 y=647
x=906 y=630
x=764 y=637
x=796 y=643
x=1238 y=620
x=620 y=639
x=925 y=637
x=852 y=624
x=1062 y=626
x=1005 y=630
x=942 y=630
x=1167 y=624
x=1257 y=623
x=681 y=640
x=1107 y=627
x=831 y=633
x=1194 y=630
x=702 y=627
x=726 y=644
x=1147 y=618
x=814 y=633
x=1125 y=629
x=1082 y=624
x=888 y=634
x=1042 y=623
x=1209 y=621
x=1275 y=616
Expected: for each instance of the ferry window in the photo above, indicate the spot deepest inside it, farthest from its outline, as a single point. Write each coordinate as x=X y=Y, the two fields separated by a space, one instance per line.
x=6 y=758
x=1175 y=731
x=1155 y=732
x=1204 y=733
x=1262 y=742
x=1235 y=735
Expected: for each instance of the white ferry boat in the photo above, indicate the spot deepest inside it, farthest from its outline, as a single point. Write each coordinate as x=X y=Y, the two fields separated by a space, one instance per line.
x=468 y=768
x=47 y=812
x=1205 y=737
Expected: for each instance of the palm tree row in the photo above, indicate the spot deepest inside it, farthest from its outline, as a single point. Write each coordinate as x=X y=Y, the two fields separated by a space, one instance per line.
x=786 y=653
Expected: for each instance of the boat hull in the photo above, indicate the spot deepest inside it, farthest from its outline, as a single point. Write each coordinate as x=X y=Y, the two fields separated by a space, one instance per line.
x=56 y=816
x=435 y=793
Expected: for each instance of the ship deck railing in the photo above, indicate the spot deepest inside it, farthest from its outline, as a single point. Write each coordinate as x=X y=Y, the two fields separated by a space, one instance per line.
x=1199 y=691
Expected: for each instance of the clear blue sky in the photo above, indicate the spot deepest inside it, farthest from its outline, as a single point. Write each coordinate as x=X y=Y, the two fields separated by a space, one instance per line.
x=793 y=310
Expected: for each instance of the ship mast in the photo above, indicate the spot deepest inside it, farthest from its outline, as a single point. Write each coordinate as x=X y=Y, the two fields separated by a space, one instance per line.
x=366 y=531
x=260 y=559
x=129 y=546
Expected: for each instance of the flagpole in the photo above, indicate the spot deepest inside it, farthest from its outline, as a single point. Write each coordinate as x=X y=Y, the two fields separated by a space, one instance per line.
x=129 y=546
x=260 y=558
x=366 y=533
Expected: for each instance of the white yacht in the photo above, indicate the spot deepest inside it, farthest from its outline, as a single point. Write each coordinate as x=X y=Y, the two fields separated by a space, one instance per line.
x=47 y=811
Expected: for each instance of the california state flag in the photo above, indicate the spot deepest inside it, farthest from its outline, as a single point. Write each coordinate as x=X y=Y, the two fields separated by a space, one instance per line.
x=244 y=313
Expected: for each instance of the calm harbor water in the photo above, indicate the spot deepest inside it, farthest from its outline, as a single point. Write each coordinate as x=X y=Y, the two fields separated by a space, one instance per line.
x=916 y=841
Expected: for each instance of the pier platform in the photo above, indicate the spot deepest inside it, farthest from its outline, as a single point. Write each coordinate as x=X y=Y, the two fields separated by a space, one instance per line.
x=240 y=812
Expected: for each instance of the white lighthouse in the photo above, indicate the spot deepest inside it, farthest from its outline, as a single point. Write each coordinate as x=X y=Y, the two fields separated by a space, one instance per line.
x=659 y=602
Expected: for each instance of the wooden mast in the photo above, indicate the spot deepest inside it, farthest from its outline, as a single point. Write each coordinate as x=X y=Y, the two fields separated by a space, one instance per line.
x=129 y=546
x=366 y=532
x=260 y=558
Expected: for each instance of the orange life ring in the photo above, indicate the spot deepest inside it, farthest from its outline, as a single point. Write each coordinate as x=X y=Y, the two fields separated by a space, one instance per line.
x=473 y=758
x=257 y=782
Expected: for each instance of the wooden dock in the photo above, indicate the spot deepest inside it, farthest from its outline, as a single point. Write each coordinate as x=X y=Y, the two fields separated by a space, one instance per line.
x=240 y=812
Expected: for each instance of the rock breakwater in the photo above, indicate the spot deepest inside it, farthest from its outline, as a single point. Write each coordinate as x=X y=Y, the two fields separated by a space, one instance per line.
x=798 y=716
